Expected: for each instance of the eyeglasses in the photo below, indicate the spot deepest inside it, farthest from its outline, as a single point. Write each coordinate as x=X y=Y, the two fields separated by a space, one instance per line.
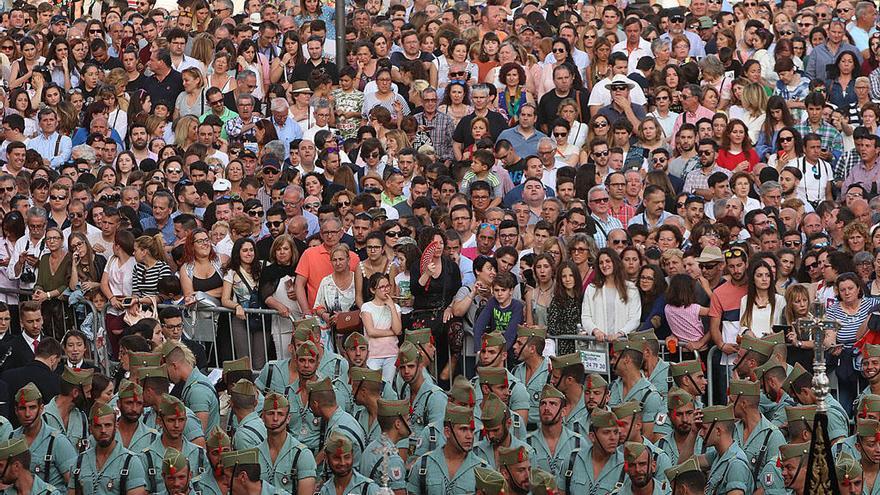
x=57 y=198
x=578 y=250
x=659 y=159
x=94 y=31
x=312 y=205
x=813 y=265
x=8 y=189
x=173 y=170
x=618 y=242
x=76 y=214
x=275 y=223
x=393 y=234
x=203 y=240
x=7 y=47
x=374 y=154
x=36 y=226
x=374 y=248
x=619 y=88
x=661 y=98
x=786 y=33
x=255 y=213
x=600 y=125
x=599 y=200
x=560 y=134
x=216 y=102
x=343 y=204
x=602 y=153
x=331 y=232
x=709 y=266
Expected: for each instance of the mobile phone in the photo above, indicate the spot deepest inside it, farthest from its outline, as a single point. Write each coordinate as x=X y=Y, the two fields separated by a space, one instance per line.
x=127 y=301
x=781 y=328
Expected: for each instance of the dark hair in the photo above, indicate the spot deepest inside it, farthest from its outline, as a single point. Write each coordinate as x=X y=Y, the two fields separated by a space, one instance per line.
x=680 y=292
x=617 y=273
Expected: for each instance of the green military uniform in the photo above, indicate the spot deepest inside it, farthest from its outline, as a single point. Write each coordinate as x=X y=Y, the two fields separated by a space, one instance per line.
x=690 y=465
x=630 y=409
x=582 y=478
x=248 y=457
x=578 y=418
x=490 y=482
x=494 y=413
x=193 y=429
x=13 y=447
x=686 y=369
x=642 y=391
x=659 y=378
x=519 y=396
x=732 y=469
x=294 y=461
x=151 y=454
x=430 y=438
x=847 y=468
x=838 y=419
x=303 y=423
x=52 y=453
x=498 y=376
x=250 y=430
x=429 y=474
x=562 y=458
x=199 y=395
x=372 y=462
x=429 y=401
x=764 y=439
x=541 y=374
x=142 y=434
x=358 y=483
x=77 y=426
x=358 y=377
x=631 y=453
x=773 y=408
x=676 y=398
x=340 y=422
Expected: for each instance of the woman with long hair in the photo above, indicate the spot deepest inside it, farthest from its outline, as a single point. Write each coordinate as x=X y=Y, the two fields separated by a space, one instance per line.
x=778 y=117
x=456 y=66
x=456 y=101
x=149 y=252
x=611 y=306
x=569 y=111
x=240 y=292
x=789 y=149
x=186 y=130
x=797 y=307
x=61 y=65
x=513 y=94
x=201 y=268
x=376 y=262
x=563 y=314
x=192 y=100
x=116 y=284
x=382 y=325
x=310 y=10
x=265 y=132
x=737 y=153
x=762 y=307
x=20 y=103
x=22 y=70
x=754 y=102
x=249 y=58
x=600 y=67
x=53 y=278
x=282 y=70
x=841 y=88
x=487 y=56
x=87 y=266
x=650 y=135
x=277 y=289
x=538 y=298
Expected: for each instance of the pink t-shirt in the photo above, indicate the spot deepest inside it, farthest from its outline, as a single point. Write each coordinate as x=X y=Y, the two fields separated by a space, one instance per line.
x=685 y=322
x=380 y=347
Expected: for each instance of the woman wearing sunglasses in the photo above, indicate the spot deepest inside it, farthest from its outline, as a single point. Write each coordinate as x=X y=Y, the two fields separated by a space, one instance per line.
x=789 y=149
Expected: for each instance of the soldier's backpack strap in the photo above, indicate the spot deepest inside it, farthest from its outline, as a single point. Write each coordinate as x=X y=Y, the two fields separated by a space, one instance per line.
x=364 y=488
x=432 y=437
x=423 y=473
x=762 y=455
x=151 y=473
x=352 y=432
x=76 y=472
x=338 y=366
x=254 y=431
x=47 y=459
x=425 y=411
x=123 y=475
x=570 y=470
x=268 y=386
x=375 y=468
x=293 y=469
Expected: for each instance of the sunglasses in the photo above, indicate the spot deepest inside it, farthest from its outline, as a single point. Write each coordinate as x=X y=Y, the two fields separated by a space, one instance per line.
x=560 y=134
x=786 y=139
x=601 y=153
x=709 y=266
x=559 y=50
x=735 y=253
x=600 y=125
x=706 y=153
x=255 y=213
x=57 y=198
x=813 y=265
x=599 y=200
x=343 y=204
x=393 y=234
x=790 y=244
x=786 y=33
x=275 y=223
x=312 y=205
x=661 y=98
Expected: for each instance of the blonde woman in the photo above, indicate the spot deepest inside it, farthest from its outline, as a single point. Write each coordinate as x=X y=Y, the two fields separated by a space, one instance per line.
x=192 y=100
x=578 y=132
x=203 y=49
x=650 y=134
x=754 y=103
x=185 y=130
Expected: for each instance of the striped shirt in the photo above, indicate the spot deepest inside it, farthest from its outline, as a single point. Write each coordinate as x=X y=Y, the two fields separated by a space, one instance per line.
x=849 y=324
x=146 y=279
x=603 y=228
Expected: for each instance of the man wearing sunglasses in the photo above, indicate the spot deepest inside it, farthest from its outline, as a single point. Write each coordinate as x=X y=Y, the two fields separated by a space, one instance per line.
x=676 y=28
x=601 y=93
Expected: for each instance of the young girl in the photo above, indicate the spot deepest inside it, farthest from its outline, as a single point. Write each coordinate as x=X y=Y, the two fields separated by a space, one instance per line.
x=797 y=306
x=481 y=169
x=407 y=255
x=381 y=318
x=683 y=313
x=564 y=312
x=538 y=298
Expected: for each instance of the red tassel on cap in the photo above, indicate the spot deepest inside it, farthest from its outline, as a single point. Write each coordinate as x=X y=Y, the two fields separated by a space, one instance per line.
x=21 y=400
x=519 y=457
x=620 y=423
x=471 y=398
x=779 y=462
x=275 y=402
x=864 y=413
x=172 y=470
x=703 y=366
x=589 y=382
x=674 y=414
x=471 y=424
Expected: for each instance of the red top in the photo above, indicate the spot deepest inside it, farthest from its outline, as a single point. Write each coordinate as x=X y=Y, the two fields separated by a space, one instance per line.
x=729 y=160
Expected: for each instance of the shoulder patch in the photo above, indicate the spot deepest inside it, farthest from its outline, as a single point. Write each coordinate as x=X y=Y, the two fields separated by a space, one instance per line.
x=660 y=420
x=768 y=479
x=396 y=473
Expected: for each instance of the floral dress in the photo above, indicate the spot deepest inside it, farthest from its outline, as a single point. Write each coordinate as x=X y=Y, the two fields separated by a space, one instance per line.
x=509 y=105
x=563 y=318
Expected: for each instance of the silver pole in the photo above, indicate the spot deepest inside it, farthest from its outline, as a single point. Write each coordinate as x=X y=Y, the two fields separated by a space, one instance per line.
x=340 y=32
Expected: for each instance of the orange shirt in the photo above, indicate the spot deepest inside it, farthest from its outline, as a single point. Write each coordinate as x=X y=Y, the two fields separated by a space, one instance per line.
x=314 y=265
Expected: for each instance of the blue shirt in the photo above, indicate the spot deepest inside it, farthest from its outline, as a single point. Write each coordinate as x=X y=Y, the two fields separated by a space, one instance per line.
x=288 y=132
x=522 y=145
x=81 y=134
x=46 y=145
x=167 y=230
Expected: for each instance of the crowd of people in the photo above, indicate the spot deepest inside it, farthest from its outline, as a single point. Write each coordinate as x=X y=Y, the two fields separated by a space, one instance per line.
x=379 y=267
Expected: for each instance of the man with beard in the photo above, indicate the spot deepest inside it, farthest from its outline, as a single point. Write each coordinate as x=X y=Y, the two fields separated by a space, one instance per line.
x=697 y=180
x=773 y=403
x=686 y=159
x=756 y=435
x=430 y=473
x=729 y=470
x=631 y=385
x=155 y=383
x=242 y=470
x=567 y=375
x=793 y=458
x=680 y=443
x=533 y=369
x=554 y=446
x=15 y=473
x=724 y=315
x=629 y=421
x=133 y=433
x=275 y=221
x=340 y=459
x=462 y=394
x=139 y=139
x=285 y=462
x=515 y=466
x=496 y=431
x=599 y=467
x=323 y=404
x=66 y=411
x=393 y=419
x=198 y=392
x=870 y=370
x=176 y=474
x=660 y=162
x=493 y=353
x=243 y=400
x=120 y=471
x=641 y=470
x=427 y=399
x=172 y=419
x=52 y=454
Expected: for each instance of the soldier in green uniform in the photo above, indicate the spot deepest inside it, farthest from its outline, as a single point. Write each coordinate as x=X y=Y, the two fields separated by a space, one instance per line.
x=631 y=385
x=867 y=408
x=793 y=457
x=870 y=369
x=345 y=479
x=172 y=416
x=542 y=482
x=754 y=353
x=599 y=467
x=690 y=377
x=629 y=420
x=106 y=468
x=496 y=432
x=233 y=371
x=642 y=475
x=461 y=393
x=198 y=392
x=155 y=383
x=655 y=368
x=755 y=434
x=428 y=401
x=242 y=471
x=868 y=447
x=493 y=353
x=15 y=473
x=176 y=474
x=514 y=465
x=490 y=482
x=393 y=420
x=330 y=364
x=208 y=483
x=424 y=342
x=250 y=430
x=449 y=469
x=494 y=381
x=565 y=443
x=131 y=430
x=366 y=389
x=52 y=454
x=567 y=375
x=799 y=423
x=799 y=385
x=771 y=375
x=687 y=478
x=303 y=424
x=66 y=411
x=279 y=375
x=849 y=475
x=681 y=442
x=285 y=462
x=322 y=402
x=356 y=351
x=534 y=368
x=729 y=467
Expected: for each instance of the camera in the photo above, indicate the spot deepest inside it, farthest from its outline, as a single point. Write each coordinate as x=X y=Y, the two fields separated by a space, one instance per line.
x=27 y=275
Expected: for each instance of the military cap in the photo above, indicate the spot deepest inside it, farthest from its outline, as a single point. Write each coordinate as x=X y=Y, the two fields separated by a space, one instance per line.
x=218 y=438
x=152 y=372
x=12 y=447
x=796 y=373
x=685 y=368
x=306 y=329
x=871 y=350
x=762 y=347
x=28 y=393
x=493 y=412
x=144 y=359
x=645 y=336
x=391 y=408
x=712 y=414
x=366 y=375
x=508 y=456
x=775 y=338
x=173 y=461
x=240 y=457
x=632 y=451
x=77 y=377
x=800 y=413
x=771 y=363
x=542 y=482
x=458 y=415
x=566 y=360
x=490 y=481
x=551 y=392
x=847 y=468
x=244 y=387
x=307 y=349
x=688 y=466
x=274 y=400
x=869 y=403
x=101 y=409
x=744 y=387
x=171 y=406
x=354 y=339
x=338 y=443
x=493 y=339
x=418 y=336
x=619 y=346
x=868 y=427
x=243 y=364
x=678 y=397
x=408 y=353
x=596 y=381
x=603 y=419
x=627 y=409
x=130 y=390
x=322 y=385
x=462 y=391
x=791 y=450
x=531 y=331
x=492 y=375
